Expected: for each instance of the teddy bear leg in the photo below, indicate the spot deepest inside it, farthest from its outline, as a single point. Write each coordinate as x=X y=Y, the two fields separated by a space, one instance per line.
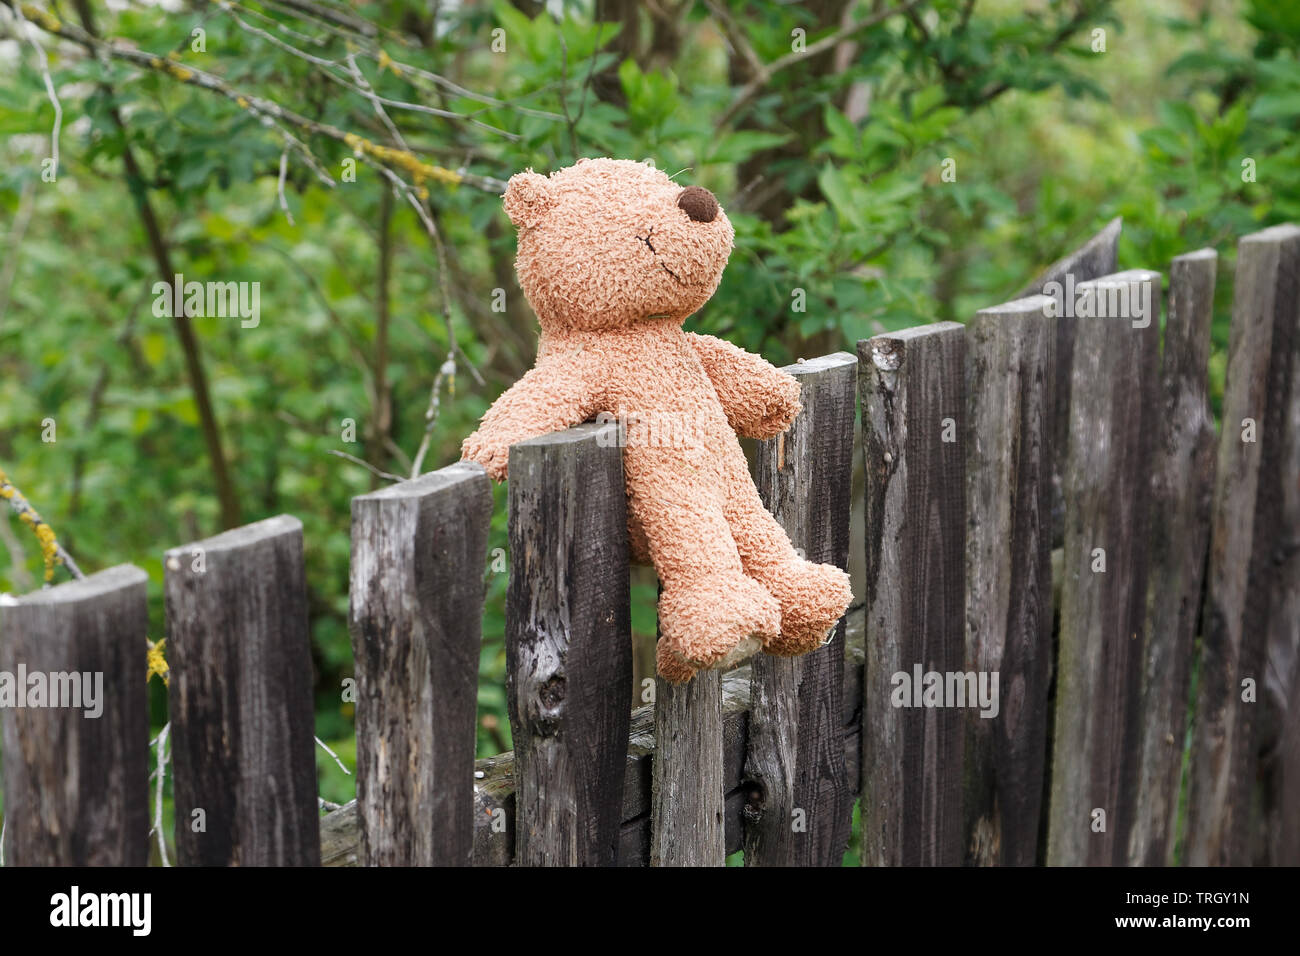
x=711 y=615
x=813 y=597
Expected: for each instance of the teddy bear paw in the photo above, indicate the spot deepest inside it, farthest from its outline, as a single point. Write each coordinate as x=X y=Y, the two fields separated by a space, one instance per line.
x=714 y=623
x=494 y=458
x=813 y=597
x=779 y=412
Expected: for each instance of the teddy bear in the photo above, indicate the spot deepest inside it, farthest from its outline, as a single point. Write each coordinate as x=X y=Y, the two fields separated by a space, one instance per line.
x=614 y=256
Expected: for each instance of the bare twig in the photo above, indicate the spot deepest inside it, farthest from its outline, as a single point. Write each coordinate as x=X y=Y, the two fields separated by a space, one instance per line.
x=327 y=68
x=161 y=775
x=446 y=373
x=325 y=747
x=44 y=62
x=284 y=168
x=364 y=464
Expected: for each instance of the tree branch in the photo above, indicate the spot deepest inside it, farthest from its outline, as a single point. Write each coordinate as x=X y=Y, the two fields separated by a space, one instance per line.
x=372 y=153
x=754 y=87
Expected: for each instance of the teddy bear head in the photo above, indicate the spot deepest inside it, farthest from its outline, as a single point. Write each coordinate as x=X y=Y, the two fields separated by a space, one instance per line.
x=608 y=243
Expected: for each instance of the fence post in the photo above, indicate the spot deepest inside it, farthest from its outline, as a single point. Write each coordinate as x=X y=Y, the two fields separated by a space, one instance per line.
x=76 y=775
x=1103 y=593
x=794 y=761
x=416 y=610
x=1253 y=542
x=688 y=788
x=1010 y=377
x=913 y=433
x=1279 y=745
x=568 y=645
x=1182 y=483
x=240 y=699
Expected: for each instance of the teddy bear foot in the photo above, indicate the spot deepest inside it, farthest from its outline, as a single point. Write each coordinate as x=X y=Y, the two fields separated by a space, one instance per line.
x=714 y=624
x=673 y=669
x=813 y=597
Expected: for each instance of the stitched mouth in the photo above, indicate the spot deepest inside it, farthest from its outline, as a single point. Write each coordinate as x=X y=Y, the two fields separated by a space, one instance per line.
x=676 y=278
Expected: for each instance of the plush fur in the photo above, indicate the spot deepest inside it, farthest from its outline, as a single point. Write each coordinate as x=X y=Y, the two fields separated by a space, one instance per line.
x=613 y=257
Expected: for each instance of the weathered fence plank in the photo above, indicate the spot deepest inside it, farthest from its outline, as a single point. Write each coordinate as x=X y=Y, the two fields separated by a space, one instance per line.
x=1103 y=595
x=1094 y=259
x=241 y=701
x=76 y=757
x=1182 y=482
x=418 y=551
x=1010 y=377
x=799 y=800
x=568 y=655
x=687 y=807
x=913 y=428
x=1278 y=836
x=1248 y=536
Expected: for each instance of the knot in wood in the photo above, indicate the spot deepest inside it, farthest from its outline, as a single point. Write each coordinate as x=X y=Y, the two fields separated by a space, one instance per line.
x=755 y=801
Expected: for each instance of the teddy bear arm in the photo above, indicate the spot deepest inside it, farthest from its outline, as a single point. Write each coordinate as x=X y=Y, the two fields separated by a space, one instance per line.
x=759 y=399
x=550 y=397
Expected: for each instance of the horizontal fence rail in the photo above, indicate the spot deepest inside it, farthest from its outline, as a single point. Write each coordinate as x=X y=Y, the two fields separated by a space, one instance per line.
x=1051 y=523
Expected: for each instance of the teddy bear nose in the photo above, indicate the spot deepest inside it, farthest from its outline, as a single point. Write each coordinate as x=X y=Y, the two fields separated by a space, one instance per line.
x=698 y=203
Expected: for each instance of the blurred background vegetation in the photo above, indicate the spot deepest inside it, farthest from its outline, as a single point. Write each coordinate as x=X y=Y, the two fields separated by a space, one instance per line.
x=900 y=163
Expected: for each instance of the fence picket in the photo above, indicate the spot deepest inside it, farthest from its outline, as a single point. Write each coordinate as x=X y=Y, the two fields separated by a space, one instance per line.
x=418 y=551
x=913 y=433
x=799 y=800
x=568 y=645
x=1010 y=376
x=76 y=790
x=1252 y=529
x=1182 y=481
x=688 y=801
x=241 y=700
x=1103 y=593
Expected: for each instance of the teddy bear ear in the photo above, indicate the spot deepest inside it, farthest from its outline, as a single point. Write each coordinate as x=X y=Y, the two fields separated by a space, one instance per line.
x=528 y=198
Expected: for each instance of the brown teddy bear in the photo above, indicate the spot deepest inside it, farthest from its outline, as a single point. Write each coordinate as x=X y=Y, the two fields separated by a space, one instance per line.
x=613 y=257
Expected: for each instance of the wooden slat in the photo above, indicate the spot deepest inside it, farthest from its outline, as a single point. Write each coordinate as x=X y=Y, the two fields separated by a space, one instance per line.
x=1107 y=489
x=795 y=757
x=1095 y=258
x=1010 y=376
x=241 y=700
x=1277 y=841
x=418 y=553
x=1248 y=536
x=568 y=656
x=1179 y=509
x=912 y=391
x=689 y=794
x=75 y=776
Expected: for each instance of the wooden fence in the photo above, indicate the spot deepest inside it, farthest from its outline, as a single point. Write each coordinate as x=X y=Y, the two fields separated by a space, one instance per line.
x=1046 y=517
